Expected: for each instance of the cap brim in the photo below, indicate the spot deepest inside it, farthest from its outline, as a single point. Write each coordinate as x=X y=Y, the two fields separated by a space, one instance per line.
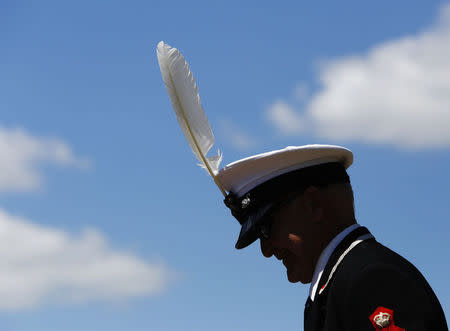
x=250 y=230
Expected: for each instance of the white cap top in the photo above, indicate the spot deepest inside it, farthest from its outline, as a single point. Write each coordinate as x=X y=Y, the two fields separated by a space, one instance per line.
x=243 y=175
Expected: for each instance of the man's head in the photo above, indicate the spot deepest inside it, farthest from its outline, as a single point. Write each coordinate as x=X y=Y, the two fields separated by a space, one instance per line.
x=295 y=199
x=302 y=227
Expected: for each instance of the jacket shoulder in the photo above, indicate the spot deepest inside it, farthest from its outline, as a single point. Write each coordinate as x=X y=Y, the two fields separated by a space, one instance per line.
x=372 y=276
x=371 y=253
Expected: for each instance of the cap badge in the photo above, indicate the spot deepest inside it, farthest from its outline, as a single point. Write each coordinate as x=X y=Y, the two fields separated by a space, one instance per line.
x=245 y=202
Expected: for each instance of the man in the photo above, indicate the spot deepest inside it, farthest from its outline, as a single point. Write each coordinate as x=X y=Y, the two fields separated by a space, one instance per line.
x=299 y=202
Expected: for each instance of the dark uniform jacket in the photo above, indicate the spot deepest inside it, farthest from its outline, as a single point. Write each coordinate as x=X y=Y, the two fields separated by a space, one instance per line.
x=372 y=282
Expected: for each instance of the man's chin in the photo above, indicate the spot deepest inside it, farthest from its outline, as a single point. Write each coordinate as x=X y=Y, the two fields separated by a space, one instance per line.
x=295 y=277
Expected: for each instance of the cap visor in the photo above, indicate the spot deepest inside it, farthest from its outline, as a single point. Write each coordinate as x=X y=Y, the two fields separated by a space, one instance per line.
x=250 y=230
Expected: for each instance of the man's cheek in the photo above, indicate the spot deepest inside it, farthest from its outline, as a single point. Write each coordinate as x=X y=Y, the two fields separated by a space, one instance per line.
x=294 y=239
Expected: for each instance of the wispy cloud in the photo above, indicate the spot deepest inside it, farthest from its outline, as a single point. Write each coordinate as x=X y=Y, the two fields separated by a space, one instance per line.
x=21 y=154
x=283 y=116
x=397 y=93
x=40 y=265
x=236 y=136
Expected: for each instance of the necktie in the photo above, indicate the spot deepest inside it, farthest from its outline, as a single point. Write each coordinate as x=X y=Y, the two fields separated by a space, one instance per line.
x=307 y=314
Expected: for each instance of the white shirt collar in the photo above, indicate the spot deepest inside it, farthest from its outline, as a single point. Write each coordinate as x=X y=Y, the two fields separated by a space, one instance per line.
x=324 y=256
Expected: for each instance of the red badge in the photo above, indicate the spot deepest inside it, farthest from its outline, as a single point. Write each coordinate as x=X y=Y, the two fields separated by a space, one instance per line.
x=383 y=319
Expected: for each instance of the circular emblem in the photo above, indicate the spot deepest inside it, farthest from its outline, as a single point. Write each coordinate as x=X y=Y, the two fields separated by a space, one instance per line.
x=245 y=202
x=382 y=320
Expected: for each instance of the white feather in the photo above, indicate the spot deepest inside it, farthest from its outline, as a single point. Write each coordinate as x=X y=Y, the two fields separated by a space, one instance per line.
x=183 y=93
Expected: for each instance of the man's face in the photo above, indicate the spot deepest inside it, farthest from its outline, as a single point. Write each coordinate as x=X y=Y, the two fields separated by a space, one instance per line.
x=291 y=239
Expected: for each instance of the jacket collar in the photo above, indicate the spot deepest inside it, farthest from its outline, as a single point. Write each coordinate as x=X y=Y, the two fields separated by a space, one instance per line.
x=333 y=254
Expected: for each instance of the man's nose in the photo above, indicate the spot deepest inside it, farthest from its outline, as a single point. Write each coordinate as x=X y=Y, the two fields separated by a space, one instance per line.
x=266 y=247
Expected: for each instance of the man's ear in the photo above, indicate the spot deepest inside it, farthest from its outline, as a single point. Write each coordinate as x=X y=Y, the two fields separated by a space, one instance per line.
x=314 y=202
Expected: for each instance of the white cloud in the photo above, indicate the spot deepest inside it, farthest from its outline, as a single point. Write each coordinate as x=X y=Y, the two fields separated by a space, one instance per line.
x=40 y=265
x=21 y=154
x=397 y=93
x=236 y=136
x=284 y=118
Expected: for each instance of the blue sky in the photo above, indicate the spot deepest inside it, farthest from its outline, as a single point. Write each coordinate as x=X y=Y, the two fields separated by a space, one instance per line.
x=106 y=222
